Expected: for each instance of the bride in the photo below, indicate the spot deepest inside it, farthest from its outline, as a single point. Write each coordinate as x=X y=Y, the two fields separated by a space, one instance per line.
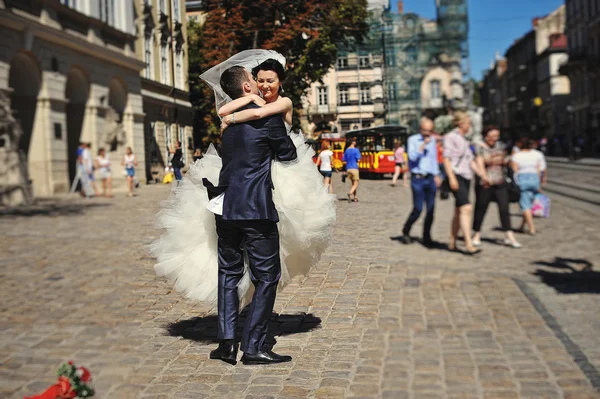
x=187 y=250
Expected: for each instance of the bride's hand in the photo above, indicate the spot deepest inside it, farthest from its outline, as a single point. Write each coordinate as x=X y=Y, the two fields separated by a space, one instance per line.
x=258 y=100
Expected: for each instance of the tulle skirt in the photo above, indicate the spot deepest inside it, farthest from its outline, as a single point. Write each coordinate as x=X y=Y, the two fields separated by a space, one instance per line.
x=187 y=249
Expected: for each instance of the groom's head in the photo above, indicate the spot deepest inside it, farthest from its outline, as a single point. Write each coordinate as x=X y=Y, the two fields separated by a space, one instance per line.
x=237 y=82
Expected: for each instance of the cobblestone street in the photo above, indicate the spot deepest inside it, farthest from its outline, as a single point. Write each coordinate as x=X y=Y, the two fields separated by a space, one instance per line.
x=396 y=321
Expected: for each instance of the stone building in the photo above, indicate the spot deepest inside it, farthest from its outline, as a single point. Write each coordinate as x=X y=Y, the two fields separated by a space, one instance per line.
x=522 y=87
x=71 y=73
x=406 y=67
x=583 y=70
x=553 y=88
x=162 y=46
x=493 y=94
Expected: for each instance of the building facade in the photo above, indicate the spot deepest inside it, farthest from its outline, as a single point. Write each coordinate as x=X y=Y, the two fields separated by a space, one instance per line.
x=70 y=71
x=407 y=66
x=162 y=46
x=553 y=88
x=583 y=70
x=521 y=81
x=493 y=94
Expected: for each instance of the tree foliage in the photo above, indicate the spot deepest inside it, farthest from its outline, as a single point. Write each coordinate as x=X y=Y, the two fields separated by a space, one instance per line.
x=306 y=32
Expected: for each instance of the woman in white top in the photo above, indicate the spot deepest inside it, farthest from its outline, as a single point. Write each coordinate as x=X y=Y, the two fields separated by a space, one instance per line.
x=129 y=162
x=103 y=168
x=527 y=165
x=325 y=163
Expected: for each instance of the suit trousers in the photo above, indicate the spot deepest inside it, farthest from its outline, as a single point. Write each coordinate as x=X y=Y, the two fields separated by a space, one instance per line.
x=260 y=239
x=423 y=190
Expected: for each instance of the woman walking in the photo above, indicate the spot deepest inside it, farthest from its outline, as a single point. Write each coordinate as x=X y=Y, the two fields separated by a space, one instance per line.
x=129 y=162
x=400 y=165
x=491 y=160
x=104 y=173
x=325 y=163
x=459 y=165
x=527 y=165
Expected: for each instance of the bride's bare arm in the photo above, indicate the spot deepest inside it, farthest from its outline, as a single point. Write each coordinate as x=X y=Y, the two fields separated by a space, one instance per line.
x=238 y=103
x=283 y=105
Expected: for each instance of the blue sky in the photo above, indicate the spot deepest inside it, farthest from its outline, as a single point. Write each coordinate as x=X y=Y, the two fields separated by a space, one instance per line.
x=493 y=24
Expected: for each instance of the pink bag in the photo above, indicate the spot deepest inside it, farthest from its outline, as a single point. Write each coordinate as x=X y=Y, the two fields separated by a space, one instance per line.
x=541 y=206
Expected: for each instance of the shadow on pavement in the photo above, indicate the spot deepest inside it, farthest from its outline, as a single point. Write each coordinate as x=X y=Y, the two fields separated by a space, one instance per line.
x=50 y=208
x=204 y=329
x=577 y=276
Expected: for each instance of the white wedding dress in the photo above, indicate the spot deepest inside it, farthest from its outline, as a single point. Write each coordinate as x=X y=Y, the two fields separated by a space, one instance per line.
x=187 y=250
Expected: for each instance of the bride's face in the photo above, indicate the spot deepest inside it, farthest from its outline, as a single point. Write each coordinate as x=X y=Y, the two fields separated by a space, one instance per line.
x=268 y=84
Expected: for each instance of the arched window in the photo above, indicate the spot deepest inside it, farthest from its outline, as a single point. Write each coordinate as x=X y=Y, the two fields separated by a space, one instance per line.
x=436 y=90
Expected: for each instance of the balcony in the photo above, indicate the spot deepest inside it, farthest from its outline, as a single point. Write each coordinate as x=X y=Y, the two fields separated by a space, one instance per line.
x=326 y=109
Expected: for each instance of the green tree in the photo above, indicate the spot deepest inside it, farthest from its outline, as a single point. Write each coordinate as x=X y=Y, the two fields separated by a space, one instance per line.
x=306 y=32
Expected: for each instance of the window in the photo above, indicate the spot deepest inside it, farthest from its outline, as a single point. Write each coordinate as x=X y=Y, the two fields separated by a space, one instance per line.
x=342 y=62
x=164 y=64
x=392 y=91
x=168 y=140
x=344 y=96
x=364 y=61
x=323 y=96
x=107 y=11
x=176 y=15
x=365 y=95
x=70 y=3
x=179 y=78
x=148 y=56
x=161 y=7
x=436 y=91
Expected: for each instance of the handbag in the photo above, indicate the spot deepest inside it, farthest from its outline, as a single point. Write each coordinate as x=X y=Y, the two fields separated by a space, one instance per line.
x=541 y=206
x=514 y=191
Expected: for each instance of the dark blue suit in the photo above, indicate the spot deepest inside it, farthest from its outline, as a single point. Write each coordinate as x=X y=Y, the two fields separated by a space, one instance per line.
x=249 y=221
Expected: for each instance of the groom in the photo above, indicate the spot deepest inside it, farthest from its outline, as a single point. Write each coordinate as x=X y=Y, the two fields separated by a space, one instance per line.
x=248 y=219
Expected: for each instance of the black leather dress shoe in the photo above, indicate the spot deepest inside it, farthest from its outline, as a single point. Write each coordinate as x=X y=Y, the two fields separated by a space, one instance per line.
x=405 y=239
x=429 y=243
x=264 y=357
x=226 y=352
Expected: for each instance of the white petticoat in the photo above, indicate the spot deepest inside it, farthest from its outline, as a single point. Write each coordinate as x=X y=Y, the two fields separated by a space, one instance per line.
x=187 y=250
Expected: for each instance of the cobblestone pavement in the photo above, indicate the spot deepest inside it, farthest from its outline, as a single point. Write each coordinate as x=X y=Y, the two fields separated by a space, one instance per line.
x=396 y=321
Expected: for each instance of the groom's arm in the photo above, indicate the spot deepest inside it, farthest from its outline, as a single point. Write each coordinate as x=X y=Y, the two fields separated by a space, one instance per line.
x=280 y=142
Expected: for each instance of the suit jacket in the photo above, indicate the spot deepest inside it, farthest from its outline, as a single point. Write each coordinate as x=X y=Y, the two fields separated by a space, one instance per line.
x=247 y=150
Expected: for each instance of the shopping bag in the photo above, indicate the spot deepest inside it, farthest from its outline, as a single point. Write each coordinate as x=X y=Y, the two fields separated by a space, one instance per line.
x=541 y=206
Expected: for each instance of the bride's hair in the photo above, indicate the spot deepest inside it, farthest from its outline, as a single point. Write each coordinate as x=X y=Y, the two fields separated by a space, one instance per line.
x=270 y=65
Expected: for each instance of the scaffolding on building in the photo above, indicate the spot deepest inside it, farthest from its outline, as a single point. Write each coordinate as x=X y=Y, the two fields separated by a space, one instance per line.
x=409 y=46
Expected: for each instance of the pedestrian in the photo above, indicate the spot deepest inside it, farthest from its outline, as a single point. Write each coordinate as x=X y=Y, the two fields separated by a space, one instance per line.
x=459 y=165
x=424 y=180
x=492 y=160
x=88 y=166
x=129 y=162
x=325 y=162
x=104 y=173
x=197 y=154
x=177 y=161
x=351 y=158
x=527 y=166
x=400 y=168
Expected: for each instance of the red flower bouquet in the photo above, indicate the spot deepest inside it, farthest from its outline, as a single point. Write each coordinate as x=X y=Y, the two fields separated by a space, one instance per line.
x=73 y=382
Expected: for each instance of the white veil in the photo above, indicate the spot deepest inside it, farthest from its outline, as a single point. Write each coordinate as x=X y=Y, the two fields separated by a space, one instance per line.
x=247 y=59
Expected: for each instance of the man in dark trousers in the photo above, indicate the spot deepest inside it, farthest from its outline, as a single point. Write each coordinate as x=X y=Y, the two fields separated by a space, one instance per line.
x=424 y=180
x=248 y=220
x=177 y=161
